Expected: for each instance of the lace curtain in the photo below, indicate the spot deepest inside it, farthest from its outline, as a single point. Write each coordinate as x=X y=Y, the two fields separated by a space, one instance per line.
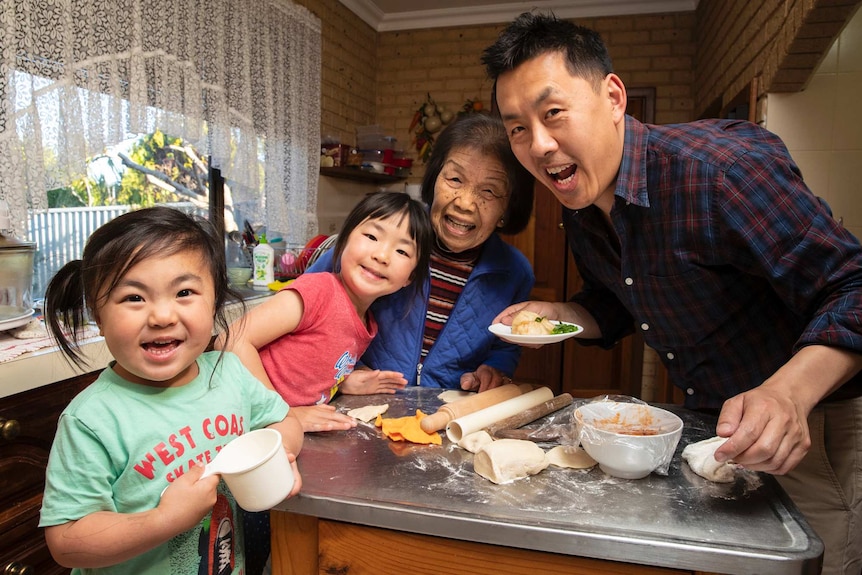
x=238 y=79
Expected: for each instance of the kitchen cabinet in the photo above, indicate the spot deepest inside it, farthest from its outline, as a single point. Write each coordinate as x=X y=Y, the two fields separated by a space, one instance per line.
x=306 y=545
x=28 y=421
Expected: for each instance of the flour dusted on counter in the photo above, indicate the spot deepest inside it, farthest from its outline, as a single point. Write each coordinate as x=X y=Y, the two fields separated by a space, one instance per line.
x=700 y=457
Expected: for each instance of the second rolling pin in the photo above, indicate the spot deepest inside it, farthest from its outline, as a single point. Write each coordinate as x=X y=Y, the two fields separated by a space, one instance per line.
x=530 y=415
x=437 y=421
x=458 y=428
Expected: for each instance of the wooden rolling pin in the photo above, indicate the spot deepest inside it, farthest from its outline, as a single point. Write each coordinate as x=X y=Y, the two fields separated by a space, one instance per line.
x=467 y=424
x=462 y=407
x=530 y=415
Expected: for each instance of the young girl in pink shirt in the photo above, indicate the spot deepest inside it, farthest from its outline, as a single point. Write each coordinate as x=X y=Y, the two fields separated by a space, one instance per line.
x=306 y=339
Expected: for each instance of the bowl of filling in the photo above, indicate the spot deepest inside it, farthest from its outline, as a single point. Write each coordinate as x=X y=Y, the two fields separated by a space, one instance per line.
x=629 y=439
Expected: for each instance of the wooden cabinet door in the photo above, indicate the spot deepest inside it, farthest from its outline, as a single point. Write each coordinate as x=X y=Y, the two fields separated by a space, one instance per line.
x=23 y=457
x=544 y=244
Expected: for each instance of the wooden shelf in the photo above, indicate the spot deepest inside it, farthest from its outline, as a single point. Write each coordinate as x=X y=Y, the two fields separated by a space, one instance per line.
x=350 y=173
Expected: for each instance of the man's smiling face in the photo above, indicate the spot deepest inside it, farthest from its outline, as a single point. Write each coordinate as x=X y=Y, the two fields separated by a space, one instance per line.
x=566 y=132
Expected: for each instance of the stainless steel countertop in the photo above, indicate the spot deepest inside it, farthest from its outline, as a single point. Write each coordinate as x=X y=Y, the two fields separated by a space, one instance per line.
x=679 y=521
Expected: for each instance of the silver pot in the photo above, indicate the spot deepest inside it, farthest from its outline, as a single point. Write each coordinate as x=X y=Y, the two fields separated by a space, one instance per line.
x=16 y=277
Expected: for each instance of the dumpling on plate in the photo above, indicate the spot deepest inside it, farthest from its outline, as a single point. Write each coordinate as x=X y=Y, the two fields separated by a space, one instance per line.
x=530 y=323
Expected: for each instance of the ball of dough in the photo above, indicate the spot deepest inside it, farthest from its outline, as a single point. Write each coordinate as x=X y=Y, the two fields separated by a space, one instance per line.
x=700 y=457
x=506 y=460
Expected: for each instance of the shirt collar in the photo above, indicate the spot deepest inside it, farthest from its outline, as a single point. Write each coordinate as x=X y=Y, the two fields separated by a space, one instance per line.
x=632 y=176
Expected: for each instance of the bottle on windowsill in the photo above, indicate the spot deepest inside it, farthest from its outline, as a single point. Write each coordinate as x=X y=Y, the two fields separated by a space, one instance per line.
x=263 y=257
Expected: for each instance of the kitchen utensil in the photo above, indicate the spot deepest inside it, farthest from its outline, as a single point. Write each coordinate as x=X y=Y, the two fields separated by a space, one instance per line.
x=255 y=468
x=16 y=271
x=547 y=434
x=629 y=440
x=14 y=316
x=530 y=415
x=458 y=428
x=439 y=420
x=239 y=276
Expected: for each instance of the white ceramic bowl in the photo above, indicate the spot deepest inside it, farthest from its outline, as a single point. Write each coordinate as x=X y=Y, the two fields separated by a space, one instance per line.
x=629 y=440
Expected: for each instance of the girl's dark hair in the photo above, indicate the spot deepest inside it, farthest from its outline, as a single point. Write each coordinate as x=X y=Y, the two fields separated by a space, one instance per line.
x=533 y=34
x=484 y=134
x=81 y=286
x=383 y=205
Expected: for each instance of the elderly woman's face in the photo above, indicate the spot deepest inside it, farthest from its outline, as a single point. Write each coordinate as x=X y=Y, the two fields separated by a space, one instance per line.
x=470 y=197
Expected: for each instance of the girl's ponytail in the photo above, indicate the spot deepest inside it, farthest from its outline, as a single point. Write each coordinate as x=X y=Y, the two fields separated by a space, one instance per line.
x=66 y=311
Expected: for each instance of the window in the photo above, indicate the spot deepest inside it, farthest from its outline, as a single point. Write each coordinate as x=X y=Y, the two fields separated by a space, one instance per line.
x=236 y=81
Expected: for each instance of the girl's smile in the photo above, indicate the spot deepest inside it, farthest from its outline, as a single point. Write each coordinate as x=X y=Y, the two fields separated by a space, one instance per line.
x=378 y=259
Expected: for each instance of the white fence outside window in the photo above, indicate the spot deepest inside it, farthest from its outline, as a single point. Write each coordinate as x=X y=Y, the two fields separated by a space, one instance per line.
x=61 y=233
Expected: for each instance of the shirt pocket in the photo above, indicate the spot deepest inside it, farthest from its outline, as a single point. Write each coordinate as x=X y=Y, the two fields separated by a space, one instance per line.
x=697 y=306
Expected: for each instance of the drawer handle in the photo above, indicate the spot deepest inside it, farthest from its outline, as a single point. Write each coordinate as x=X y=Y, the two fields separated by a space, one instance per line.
x=17 y=569
x=9 y=429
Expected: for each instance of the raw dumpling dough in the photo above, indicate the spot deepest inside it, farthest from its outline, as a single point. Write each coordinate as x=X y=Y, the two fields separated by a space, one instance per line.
x=474 y=442
x=451 y=395
x=506 y=460
x=571 y=457
x=530 y=323
x=368 y=412
x=700 y=457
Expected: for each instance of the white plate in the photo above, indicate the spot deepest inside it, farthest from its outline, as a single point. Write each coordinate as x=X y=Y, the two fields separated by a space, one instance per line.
x=16 y=321
x=504 y=332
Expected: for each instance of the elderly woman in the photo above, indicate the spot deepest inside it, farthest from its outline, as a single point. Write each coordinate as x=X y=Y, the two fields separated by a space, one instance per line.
x=475 y=188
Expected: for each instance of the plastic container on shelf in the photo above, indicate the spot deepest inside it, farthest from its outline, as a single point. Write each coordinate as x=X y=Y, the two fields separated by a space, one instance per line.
x=372 y=155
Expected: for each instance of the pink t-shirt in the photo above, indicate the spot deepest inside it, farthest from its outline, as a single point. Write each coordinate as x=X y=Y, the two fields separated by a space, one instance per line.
x=307 y=365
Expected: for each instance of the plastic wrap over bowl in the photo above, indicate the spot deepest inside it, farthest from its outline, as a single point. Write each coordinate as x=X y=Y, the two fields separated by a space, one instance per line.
x=628 y=439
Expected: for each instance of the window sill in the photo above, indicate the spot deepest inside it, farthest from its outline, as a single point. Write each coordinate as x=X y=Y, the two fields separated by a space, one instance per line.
x=47 y=366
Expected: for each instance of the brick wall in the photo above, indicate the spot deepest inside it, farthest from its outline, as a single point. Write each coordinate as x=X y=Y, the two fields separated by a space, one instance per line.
x=778 y=42
x=648 y=51
x=695 y=60
x=349 y=75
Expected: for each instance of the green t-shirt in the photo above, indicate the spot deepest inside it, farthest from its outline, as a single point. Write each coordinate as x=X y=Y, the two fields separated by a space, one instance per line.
x=119 y=444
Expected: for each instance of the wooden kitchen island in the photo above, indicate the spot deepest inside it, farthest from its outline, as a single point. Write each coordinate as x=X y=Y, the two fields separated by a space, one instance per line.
x=370 y=505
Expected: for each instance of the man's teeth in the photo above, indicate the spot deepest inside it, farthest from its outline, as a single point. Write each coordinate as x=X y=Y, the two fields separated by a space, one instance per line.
x=562 y=173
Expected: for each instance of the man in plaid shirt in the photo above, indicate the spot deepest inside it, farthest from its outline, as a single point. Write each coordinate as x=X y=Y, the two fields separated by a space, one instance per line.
x=704 y=237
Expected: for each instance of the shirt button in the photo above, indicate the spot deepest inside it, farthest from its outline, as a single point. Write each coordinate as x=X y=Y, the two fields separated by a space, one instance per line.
x=644 y=326
x=670 y=355
x=629 y=281
x=689 y=391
